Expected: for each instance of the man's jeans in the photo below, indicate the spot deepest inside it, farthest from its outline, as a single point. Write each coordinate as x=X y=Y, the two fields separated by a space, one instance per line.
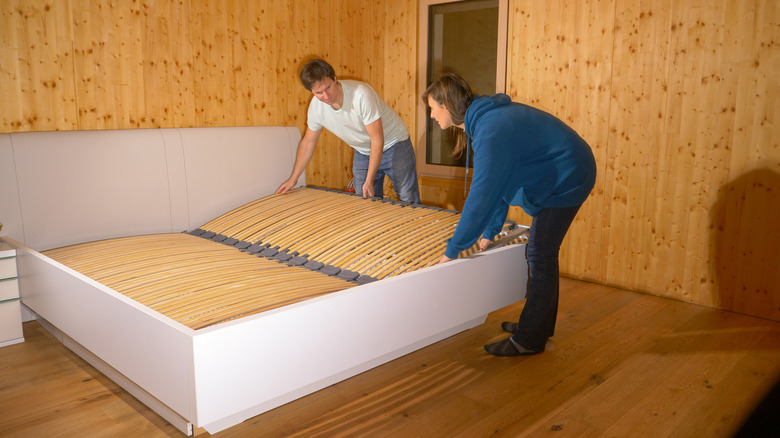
x=399 y=164
x=537 y=320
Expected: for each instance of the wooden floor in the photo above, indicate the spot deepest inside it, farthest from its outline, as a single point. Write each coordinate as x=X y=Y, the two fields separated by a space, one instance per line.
x=621 y=364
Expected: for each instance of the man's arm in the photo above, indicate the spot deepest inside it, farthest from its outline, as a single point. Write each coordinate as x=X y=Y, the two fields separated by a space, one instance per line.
x=302 y=158
x=377 y=136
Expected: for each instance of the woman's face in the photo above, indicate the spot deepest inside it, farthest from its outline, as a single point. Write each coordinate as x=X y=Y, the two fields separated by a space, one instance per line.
x=440 y=113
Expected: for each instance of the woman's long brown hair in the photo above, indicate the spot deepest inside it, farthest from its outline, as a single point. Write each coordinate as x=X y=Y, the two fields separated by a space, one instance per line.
x=455 y=94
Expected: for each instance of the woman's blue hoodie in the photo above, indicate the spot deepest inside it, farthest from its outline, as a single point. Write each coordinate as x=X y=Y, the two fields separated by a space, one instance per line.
x=522 y=156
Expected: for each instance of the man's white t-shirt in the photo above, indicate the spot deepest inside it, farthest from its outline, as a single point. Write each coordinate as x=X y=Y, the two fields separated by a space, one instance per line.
x=362 y=106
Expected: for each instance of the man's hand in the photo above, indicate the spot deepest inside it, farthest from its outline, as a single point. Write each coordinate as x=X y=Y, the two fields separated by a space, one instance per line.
x=368 y=189
x=377 y=136
x=302 y=158
x=287 y=186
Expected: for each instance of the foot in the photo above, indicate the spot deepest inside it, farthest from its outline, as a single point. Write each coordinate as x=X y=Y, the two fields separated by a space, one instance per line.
x=509 y=327
x=508 y=348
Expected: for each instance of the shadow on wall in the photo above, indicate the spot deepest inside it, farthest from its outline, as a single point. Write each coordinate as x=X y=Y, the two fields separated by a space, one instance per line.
x=745 y=245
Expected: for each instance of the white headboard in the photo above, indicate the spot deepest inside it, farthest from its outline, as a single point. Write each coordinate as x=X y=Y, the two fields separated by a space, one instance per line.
x=65 y=187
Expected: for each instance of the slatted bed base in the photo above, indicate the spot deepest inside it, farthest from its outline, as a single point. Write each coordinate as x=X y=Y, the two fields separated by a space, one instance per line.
x=276 y=251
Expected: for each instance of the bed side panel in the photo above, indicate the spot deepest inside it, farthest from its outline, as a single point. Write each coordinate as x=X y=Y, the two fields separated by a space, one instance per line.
x=261 y=362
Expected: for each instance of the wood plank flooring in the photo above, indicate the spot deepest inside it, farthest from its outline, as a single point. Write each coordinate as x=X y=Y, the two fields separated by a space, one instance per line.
x=620 y=364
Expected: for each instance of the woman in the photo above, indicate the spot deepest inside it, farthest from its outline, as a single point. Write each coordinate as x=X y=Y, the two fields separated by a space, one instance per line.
x=525 y=157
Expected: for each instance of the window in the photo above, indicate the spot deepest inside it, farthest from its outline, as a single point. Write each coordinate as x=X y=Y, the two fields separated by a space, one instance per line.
x=467 y=37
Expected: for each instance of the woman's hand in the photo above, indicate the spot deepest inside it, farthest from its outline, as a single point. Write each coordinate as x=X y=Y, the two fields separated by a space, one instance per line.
x=444 y=259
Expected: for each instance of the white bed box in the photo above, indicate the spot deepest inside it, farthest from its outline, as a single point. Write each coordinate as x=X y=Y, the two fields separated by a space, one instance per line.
x=62 y=188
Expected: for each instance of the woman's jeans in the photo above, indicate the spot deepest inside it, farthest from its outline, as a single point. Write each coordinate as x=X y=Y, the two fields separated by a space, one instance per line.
x=399 y=164
x=537 y=320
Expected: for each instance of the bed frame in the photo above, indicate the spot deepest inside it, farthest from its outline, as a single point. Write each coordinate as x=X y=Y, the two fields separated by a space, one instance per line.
x=62 y=188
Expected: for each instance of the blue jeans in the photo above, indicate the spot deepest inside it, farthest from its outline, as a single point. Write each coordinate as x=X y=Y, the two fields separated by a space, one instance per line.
x=537 y=320
x=399 y=164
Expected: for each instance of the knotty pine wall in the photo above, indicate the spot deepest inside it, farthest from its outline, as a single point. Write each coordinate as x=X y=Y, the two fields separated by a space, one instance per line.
x=98 y=64
x=678 y=99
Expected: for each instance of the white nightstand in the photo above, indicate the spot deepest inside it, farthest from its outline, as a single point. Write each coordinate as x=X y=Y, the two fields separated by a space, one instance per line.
x=10 y=306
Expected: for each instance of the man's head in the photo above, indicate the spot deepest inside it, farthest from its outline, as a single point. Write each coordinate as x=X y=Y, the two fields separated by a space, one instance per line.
x=319 y=78
x=314 y=71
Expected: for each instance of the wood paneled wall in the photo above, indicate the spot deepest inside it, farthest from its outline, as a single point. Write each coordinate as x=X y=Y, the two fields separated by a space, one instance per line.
x=87 y=64
x=678 y=98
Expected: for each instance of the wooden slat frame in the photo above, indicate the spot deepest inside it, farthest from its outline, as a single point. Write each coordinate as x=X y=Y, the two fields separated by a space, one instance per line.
x=199 y=282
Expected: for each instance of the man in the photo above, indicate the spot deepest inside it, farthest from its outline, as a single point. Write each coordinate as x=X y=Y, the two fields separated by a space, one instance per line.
x=355 y=113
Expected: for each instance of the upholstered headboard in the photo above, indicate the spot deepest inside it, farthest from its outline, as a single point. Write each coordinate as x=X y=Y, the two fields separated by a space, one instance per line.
x=66 y=187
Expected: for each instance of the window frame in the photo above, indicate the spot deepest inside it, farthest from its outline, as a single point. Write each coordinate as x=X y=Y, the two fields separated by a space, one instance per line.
x=436 y=170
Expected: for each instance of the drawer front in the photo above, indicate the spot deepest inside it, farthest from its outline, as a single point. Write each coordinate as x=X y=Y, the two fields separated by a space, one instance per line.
x=10 y=320
x=8 y=267
x=9 y=289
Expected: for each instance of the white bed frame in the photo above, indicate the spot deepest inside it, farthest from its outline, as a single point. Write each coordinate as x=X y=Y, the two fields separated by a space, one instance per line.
x=62 y=188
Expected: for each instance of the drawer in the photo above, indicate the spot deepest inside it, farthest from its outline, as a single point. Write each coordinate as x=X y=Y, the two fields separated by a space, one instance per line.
x=7 y=267
x=10 y=320
x=9 y=289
